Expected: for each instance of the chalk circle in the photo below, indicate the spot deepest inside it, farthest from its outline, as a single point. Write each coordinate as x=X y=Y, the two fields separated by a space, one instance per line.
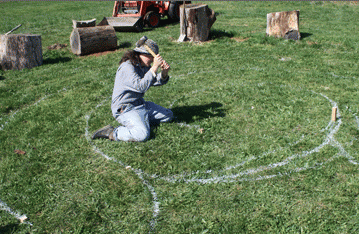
x=249 y=126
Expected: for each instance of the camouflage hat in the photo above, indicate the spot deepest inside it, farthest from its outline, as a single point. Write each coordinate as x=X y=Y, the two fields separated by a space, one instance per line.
x=153 y=45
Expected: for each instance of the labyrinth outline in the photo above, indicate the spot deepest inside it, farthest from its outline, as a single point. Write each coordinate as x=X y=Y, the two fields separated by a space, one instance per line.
x=332 y=128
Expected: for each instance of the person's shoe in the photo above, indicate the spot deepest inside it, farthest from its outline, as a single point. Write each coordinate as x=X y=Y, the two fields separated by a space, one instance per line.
x=105 y=132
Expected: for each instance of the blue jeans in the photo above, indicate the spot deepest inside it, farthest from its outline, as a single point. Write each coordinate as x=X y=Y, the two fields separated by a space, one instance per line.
x=136 y=121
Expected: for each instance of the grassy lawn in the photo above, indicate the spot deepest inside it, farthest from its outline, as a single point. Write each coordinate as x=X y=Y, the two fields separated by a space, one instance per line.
x=252 y=149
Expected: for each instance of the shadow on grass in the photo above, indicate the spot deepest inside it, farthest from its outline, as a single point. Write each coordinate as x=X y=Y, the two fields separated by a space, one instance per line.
x=10 y=228
x=216 y=34
x=55 y=56
x=304 y=35
x=190 y=114
x=2 y=78
x=56 y=60
x=124 y=45
x=168 y=22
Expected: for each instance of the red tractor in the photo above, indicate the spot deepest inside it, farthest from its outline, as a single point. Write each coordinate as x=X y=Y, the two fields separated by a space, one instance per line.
x=130 y=15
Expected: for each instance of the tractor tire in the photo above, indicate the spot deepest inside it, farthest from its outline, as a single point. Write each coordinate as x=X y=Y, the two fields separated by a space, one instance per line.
x=174 y=11
x=152 y=19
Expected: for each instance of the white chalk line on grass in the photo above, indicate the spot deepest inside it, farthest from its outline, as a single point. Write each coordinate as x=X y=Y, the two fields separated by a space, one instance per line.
x=13 y=114
x=15 y=214
x=3 y=206
x=355 y=116
x=181 y=177
x=248 y=172
x=329 y=140
x=34 y=104
x=342 y=77
x=193 y=177
x=138 y=172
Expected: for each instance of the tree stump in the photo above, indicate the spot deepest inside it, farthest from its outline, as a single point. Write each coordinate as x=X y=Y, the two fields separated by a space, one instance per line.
x=196 y=21
x=283 y=24
x=19 y=51
x=93 y=40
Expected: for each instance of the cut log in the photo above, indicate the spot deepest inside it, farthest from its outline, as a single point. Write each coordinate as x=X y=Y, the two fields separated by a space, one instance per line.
x=19 y=51
x=283 y=24
x=196 y=21
x=93 y=40
x=84 y=24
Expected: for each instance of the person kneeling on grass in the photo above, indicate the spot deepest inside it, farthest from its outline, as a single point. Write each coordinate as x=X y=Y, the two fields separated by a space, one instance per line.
x=134 y=77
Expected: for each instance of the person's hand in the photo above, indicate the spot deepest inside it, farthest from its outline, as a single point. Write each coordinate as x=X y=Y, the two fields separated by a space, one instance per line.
x=157 y=61
x=165 y=67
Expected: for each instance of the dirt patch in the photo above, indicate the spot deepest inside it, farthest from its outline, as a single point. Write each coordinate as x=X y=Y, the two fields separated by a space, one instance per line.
x=57 y=46
x=102 y=53
x=240 y=39
x=189 y=41
x=312 y=43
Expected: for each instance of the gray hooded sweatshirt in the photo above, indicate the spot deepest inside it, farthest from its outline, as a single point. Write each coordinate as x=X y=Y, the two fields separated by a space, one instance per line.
x=131 y=83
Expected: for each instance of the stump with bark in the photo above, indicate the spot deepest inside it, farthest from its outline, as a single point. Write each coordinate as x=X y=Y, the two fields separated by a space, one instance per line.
x=283 y=24
x=19 y=51
x=90 y=40
x=196 y=21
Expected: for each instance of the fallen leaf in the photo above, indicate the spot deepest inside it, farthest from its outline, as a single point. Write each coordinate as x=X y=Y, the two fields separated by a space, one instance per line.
x=20 y=152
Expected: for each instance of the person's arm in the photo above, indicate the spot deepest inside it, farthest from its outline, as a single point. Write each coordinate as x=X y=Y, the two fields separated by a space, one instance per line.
x=132 y=81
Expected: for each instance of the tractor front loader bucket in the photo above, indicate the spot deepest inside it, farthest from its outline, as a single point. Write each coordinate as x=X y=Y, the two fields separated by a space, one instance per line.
x=124 y=24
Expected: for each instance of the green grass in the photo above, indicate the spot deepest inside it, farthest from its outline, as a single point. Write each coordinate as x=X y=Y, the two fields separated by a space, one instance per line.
x=252 y=149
